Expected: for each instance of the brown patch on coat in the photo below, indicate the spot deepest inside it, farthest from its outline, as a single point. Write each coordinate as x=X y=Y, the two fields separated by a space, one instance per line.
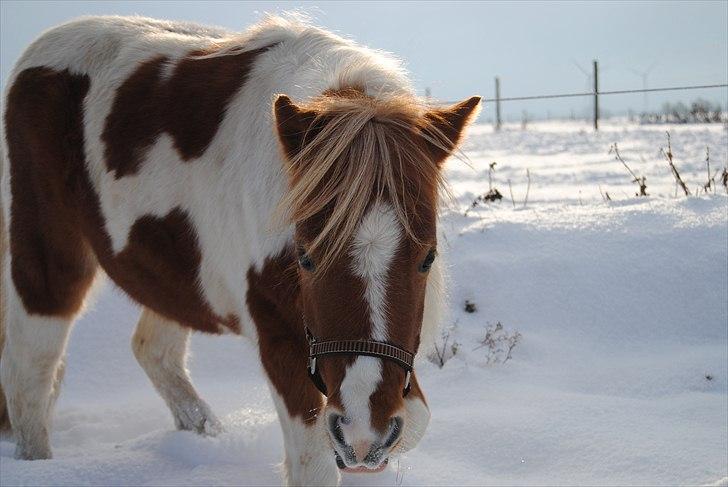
x=159 y=267
x=52 y=265
x=189 y=106
x=274 y=302
x=57 y=229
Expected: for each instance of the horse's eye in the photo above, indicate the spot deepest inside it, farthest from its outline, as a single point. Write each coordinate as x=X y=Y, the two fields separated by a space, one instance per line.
x=305 y=261
x=427 y=263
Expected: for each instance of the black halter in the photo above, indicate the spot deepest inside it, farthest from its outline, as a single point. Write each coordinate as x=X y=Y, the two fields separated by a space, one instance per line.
x=370 y=348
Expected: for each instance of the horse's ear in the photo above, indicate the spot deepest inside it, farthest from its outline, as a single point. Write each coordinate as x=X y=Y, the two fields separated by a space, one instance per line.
x=449 y=124
x=292 y=125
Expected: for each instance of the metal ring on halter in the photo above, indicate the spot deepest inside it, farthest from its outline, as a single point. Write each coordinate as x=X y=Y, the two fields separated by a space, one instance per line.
x=312 y=364
x=369 y=348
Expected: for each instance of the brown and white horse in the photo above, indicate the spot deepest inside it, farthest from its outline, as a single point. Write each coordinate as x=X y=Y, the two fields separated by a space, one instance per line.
x=165 y=154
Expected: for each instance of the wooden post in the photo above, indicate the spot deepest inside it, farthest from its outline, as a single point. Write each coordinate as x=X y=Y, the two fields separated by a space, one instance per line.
x=596 y=95
x=497 y=104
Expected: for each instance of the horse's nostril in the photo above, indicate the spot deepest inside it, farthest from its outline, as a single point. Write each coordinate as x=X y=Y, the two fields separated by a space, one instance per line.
x=394 y=432
x=335 y=422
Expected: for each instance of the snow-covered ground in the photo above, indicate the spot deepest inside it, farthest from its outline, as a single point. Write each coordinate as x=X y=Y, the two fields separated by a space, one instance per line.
x=619 y=376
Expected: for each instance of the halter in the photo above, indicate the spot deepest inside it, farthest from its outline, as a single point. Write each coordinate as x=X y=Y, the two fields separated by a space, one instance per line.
x=370 y=348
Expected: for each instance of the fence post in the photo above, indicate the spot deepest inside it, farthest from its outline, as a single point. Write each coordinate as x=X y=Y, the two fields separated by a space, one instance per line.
x=596 y=95
x=497 y=104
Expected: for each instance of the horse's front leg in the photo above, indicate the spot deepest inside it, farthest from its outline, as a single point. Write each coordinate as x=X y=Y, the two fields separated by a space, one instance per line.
x=309 y=456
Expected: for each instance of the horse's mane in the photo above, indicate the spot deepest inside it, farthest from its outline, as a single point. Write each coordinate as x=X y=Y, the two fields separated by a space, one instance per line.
x=366 y=150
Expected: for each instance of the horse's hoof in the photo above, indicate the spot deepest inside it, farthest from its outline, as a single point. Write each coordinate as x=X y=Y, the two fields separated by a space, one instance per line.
x=198 y=418
x=211 y=427
x=30 y=452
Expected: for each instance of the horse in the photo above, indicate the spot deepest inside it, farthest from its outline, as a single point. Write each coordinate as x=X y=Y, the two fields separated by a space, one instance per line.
x=281 y=184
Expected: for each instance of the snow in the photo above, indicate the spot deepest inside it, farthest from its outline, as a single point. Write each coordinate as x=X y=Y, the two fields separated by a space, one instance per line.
x=622 y=307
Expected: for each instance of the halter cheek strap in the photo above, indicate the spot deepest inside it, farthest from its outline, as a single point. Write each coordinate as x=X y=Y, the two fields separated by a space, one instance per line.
x=370 y=348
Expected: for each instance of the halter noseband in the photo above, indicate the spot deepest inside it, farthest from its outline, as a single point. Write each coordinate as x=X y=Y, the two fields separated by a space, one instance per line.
x=370 y=348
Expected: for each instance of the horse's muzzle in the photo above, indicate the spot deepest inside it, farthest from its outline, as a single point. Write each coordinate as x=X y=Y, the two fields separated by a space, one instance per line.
x=362 y=456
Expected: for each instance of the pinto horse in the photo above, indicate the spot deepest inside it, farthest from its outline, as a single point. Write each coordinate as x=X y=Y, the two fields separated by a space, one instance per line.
x=280 y=184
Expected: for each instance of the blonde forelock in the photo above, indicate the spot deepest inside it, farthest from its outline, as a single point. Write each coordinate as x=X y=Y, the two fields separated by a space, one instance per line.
x=364 y=150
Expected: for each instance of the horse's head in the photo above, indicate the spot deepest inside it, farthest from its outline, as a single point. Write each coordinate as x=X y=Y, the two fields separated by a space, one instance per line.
x=364 y=177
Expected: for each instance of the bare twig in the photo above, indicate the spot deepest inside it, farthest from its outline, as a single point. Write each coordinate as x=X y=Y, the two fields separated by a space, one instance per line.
x=492 y=195
x=511 y=345
x=618 y=157
x=724 y=179
x=499 y=342
x=711 y=181
x=640 y=181
x=472 y=205
x=440 y=353
x=605 y=195
x=668 y=156
x=528 y=188
x=510 y=188
x=711 y=177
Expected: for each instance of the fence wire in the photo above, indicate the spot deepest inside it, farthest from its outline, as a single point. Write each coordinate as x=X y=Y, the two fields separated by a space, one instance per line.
x=600 y=93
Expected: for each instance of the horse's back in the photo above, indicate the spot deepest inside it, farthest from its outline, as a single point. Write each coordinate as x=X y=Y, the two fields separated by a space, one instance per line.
x=93 y=45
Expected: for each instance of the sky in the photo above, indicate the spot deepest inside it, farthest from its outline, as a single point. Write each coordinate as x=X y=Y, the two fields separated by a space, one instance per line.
x=457 y=48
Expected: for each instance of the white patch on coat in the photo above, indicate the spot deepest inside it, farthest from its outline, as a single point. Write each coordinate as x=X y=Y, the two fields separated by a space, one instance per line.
x=30 y=371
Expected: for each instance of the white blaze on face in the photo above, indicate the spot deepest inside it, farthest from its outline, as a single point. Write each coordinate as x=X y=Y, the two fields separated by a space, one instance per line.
x=373 y=249
x=375 y=243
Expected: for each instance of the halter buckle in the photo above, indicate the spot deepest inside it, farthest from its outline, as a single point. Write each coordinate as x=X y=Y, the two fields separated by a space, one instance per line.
x=311 y=365
x=313 y=373
x=407 y=384
x=311 y=351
